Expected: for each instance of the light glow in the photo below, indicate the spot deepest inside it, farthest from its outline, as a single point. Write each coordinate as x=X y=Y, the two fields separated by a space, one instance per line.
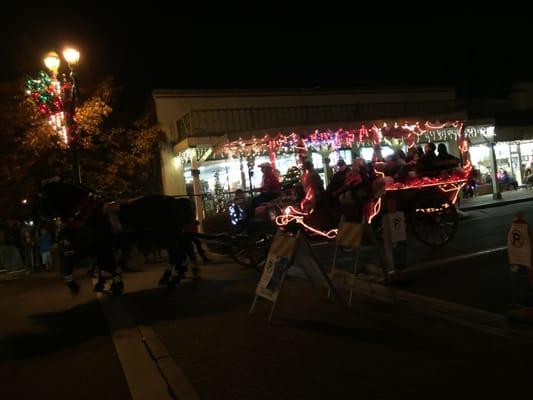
x=52 y=62
x=71 y=55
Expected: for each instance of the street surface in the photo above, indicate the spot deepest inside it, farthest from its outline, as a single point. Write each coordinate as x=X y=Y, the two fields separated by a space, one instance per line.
x=199 y=341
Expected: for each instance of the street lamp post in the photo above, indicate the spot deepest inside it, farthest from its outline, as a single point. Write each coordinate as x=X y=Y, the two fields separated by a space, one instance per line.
x=70 y=98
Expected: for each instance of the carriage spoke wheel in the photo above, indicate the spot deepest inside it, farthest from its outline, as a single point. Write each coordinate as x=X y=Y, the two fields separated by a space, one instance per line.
x=434 y=220
x=251 y=251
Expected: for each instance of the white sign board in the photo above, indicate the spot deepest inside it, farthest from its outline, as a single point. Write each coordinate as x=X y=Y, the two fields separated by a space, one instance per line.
x=518 y=245
x=270 y=282
x=278 y=262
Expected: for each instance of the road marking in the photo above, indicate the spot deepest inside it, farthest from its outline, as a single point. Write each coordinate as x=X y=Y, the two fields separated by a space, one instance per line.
x=143 y=376
x=150 y=371
x=442 y=261
x=179 y=385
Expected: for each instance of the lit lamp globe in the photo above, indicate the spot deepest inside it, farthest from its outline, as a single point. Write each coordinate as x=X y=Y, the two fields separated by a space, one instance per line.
x=52 y=61
x=71 y=55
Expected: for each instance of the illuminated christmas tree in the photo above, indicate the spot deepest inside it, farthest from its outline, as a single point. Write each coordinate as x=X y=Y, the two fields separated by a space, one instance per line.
x=293 y=175
x=220 y=204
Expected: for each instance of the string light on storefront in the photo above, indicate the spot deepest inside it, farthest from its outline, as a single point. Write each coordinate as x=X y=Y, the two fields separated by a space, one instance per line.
x=329 y=140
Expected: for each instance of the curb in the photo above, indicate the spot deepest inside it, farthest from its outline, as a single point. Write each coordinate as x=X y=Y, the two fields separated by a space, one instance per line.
x=6 y=276
x=495 y=203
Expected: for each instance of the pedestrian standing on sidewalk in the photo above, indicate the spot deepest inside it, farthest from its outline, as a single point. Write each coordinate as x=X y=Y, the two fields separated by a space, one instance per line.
x=45 y=243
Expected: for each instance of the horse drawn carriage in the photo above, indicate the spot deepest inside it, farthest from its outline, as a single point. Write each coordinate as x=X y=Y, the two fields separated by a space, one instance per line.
x=428 y=199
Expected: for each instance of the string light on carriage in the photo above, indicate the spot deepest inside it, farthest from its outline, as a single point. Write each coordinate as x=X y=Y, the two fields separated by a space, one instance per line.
x=458 y=189
x=285 y=219
x=450 y=185
x=432 y=210
x=375 y=211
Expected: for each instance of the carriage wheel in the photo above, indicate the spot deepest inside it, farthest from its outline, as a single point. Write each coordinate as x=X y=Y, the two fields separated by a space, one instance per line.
x=252 y=251
x=434 y=220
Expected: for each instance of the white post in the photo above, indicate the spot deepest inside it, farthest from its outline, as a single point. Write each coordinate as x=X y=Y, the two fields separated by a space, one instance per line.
x=197 y=190
x=325 y=163
x=243 y=176
x=494 y=167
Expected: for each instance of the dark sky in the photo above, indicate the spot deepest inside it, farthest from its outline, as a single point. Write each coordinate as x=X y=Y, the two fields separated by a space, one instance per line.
x=481 y=56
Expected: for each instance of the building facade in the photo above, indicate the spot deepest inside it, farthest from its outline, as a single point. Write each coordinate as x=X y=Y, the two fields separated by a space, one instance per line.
x=196 y=123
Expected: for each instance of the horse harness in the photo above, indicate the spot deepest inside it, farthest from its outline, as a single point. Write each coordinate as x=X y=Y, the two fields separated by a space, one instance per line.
x=88 y=206
x=84 y=210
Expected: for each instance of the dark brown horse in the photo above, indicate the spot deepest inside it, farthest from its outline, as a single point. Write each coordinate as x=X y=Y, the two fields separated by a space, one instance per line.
x=92 y=227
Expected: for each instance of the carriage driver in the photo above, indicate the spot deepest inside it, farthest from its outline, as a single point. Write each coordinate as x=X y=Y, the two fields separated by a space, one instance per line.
x=270 y=187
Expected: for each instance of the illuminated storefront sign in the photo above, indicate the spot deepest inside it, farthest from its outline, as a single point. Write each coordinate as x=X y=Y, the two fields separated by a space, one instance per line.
x=451 y=133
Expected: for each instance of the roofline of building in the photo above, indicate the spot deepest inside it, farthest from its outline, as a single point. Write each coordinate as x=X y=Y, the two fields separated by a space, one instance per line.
x=169 y=93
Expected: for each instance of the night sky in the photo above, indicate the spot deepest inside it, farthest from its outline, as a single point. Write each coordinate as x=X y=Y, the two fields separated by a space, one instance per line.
x=143 y=50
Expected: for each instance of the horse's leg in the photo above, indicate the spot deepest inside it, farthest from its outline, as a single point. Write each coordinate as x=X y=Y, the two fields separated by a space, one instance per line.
x=107 y=270
x=177 y=258
x=184 y=252
x=99 y=286
x=170 y=272
x=109 y=263
x=101 y=272
x=167 y=275
x=187 y=243
x=199 y=248
x=124 y=253
x=176 y=271
x=68 y=258
x=117 y=286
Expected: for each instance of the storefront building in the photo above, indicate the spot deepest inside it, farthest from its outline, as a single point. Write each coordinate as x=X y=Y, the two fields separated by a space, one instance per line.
x=199 y=123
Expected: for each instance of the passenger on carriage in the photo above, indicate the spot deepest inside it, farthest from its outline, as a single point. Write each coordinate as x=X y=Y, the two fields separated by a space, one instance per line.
x=312 y=186
x=355 y=184
x=414 y=154
x=270 y=187
x=429 y=156
x=445 y=161
x=399 y=167
x=396 y=166
x=336 y=186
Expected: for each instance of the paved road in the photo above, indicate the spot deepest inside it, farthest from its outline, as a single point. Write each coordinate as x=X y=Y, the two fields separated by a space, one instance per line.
x=56 y=346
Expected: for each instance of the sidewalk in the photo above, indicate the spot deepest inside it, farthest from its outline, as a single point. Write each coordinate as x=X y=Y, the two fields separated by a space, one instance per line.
x=486 y=201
